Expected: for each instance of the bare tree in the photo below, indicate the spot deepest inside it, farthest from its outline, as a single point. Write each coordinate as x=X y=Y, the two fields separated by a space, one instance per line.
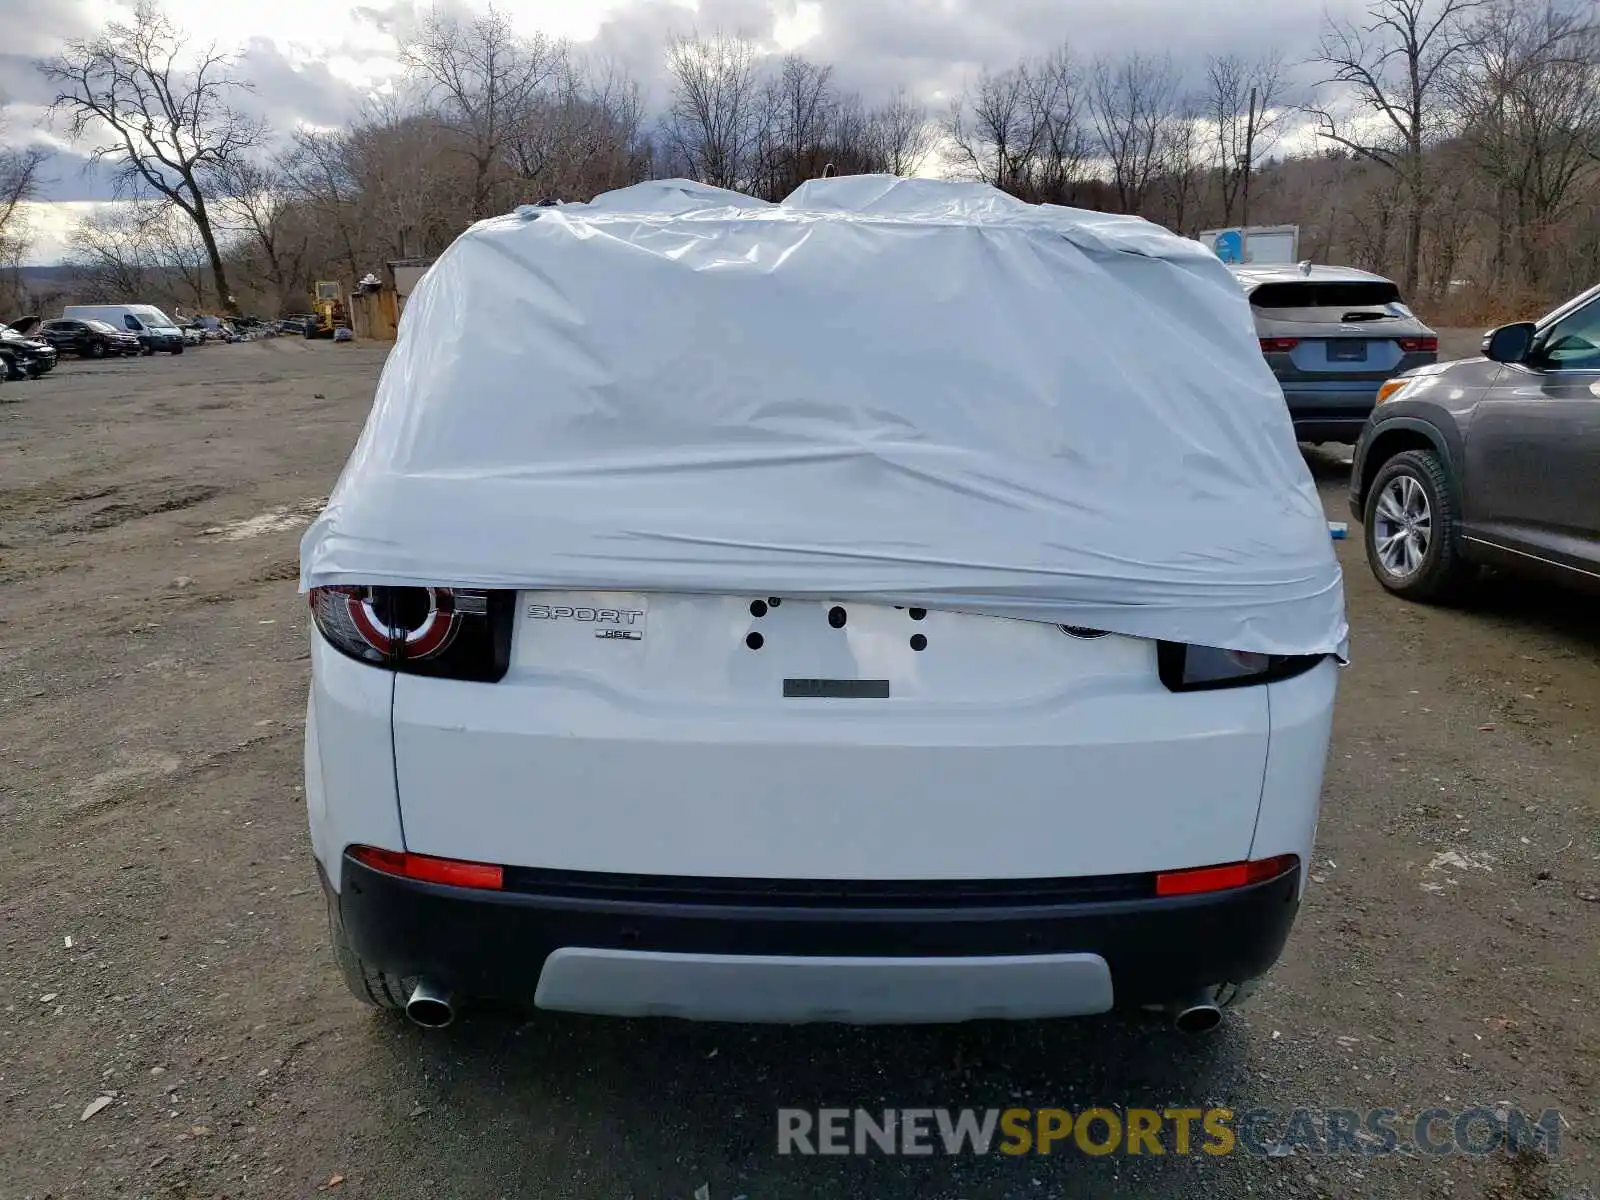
x=1243 y=105
x=1063 y=148
x=488 y=82
x=1180 y=157
x=902 y=133
x=1317 y=196
x=712 y=120
x=411 y=195
x=586 y=137
x=1529 y=99
x=852 y=142
x=316 y=167
x=1377 y=212
x=398 y=182
x=1395 y=68
x=167 y=128
x=1131 y=103
x=258 y=206
x=803 y=101
x=1451 y=214
x=177 y=254
x=992 y=130
x=140 y=250
x=108 y=256
x=19 y=182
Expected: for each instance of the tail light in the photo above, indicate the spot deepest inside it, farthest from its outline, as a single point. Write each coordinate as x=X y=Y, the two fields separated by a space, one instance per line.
x=453 y=633
x=428 y=869
x=1203 y=668
x=1278 y=345
x=1419 y=345
x=1219 y=879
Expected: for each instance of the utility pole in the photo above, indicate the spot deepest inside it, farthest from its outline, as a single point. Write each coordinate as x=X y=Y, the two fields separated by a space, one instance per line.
x=1249 y=162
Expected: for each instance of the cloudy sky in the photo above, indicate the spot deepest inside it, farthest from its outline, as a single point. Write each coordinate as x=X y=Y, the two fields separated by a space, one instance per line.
x=312 y=60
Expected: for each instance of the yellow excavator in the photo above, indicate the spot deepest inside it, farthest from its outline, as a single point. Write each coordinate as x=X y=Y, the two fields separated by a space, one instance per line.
x=328 y=309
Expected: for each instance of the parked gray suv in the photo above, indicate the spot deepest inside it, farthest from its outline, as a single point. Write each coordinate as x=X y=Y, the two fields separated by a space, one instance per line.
x=1492 y=460
x=1333 y=336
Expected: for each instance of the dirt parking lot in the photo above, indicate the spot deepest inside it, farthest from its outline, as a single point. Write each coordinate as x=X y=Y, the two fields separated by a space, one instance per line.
x=164 y=943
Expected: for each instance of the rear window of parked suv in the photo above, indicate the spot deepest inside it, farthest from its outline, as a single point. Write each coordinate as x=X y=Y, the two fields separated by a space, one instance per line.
x=1331 y=294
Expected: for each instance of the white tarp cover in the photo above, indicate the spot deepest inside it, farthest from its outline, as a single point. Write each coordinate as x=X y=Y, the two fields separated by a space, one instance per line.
x=898 y=391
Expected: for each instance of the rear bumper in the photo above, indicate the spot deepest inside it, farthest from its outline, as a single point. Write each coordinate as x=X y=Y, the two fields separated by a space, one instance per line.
x=735 y=950
x=1331 y=411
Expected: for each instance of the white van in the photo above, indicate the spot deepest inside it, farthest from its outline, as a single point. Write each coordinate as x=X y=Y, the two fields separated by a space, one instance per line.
x=155 y=330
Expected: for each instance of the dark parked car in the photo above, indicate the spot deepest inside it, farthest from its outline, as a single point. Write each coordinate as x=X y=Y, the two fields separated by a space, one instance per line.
x=1492 y=460
x=154 y=329
x=89 y=339
x=24 y=357
x=1333 y=336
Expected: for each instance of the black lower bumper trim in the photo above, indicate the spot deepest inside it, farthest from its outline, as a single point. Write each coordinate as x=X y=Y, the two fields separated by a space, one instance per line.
x=492 y=945
x=1329 y=431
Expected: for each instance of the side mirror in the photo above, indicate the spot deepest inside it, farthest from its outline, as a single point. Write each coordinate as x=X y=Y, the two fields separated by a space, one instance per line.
x=1509 y=343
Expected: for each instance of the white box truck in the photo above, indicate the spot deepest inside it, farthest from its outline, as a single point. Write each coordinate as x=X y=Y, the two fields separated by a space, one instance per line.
x=1254 y=243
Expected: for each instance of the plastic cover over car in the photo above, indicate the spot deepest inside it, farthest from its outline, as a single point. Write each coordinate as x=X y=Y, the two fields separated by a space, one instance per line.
x=896 y=391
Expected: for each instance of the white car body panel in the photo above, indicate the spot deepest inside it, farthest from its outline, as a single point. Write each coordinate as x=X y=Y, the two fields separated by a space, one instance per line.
x=349 y=755
x=1007 y=749
x=1302 y=723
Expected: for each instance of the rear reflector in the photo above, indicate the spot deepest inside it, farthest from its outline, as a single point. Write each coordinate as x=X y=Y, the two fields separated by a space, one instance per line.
x=428 y=869
x=1278 y=345
x=1220 y=879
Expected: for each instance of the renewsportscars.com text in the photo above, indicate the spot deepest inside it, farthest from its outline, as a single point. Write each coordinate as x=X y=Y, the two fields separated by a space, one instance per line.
x=1155 y=1131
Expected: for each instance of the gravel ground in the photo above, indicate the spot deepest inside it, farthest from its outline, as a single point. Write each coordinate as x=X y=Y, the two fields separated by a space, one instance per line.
x=164 y=942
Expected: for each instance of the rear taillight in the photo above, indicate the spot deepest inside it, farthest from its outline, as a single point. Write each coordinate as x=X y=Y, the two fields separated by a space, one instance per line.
x=1196 y=880
x=454 y=633
x=1419 y=345
x=1278 y=345
x=425 y=867
x=1202 y=668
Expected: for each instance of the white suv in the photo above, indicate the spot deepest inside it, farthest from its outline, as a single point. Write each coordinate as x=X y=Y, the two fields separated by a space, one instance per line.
x=665 y=667
x=747 y=808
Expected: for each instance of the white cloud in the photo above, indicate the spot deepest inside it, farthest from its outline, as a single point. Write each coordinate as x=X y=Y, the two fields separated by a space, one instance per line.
x=51 y=226
x=798 y=26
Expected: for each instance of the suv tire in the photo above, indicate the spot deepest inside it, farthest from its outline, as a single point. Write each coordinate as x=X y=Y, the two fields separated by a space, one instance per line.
x=1411 y=528
x=367 y=984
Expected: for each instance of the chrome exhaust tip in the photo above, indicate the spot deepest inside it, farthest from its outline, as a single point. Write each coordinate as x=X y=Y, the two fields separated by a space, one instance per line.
x=1196 y=1018
x=429 y=1006
x=1200 y=1011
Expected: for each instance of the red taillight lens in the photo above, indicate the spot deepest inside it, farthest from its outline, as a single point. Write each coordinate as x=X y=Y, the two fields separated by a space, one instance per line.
x=457 y=633
x=428 y=869
x=1220 y=879
x=1278 y=345
x=1419 y=345
x=335 y=609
